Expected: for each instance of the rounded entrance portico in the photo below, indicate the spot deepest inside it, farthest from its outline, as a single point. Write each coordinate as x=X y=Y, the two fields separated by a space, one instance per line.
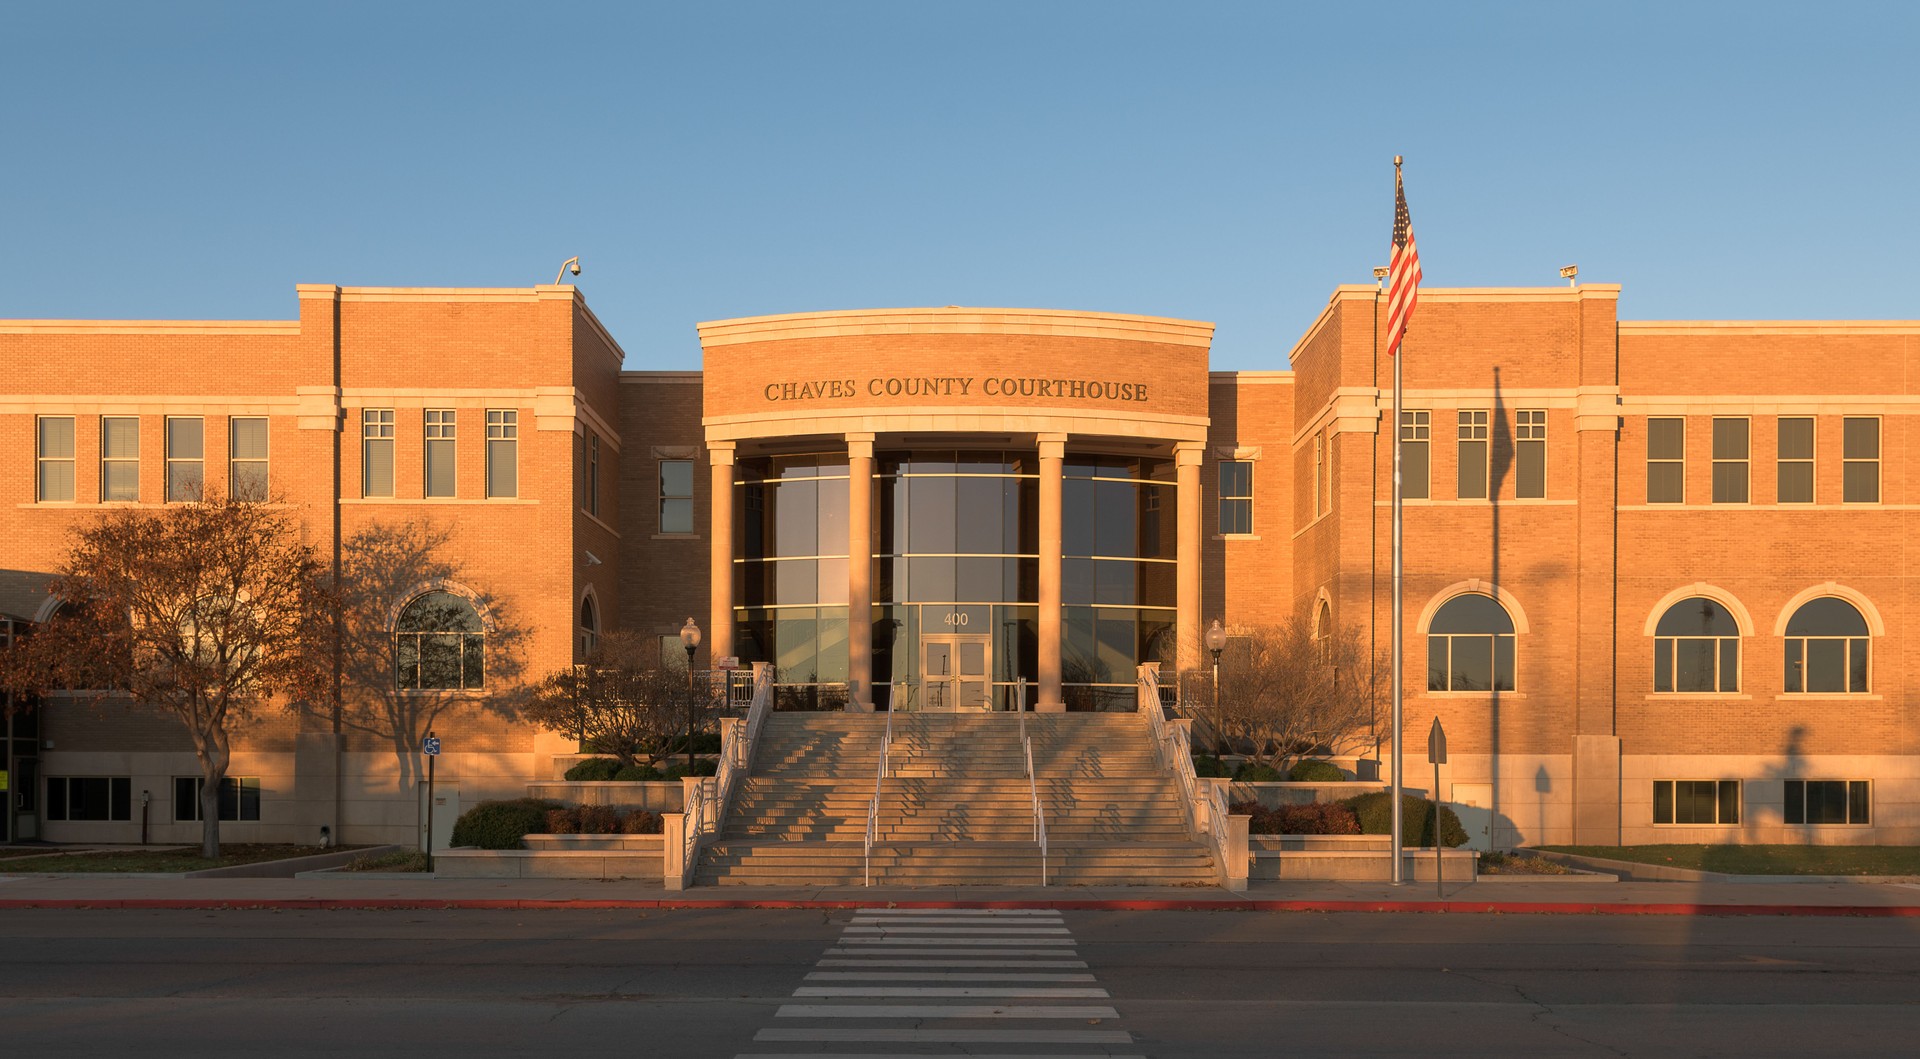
x=935 y=508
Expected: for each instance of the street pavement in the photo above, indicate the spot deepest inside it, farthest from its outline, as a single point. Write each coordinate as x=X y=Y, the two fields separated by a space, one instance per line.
x=881 y=981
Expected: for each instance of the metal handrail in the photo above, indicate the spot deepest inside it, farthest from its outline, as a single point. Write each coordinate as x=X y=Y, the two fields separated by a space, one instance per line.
x=708 y=800
x=1033 y=791
x=1207 y=816
x=873 y=807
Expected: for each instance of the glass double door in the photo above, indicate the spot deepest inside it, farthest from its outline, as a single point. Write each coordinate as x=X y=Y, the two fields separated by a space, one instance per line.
x=958 y=670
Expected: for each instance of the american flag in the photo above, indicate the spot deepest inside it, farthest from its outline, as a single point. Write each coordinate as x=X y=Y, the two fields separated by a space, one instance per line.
x=1403 y=272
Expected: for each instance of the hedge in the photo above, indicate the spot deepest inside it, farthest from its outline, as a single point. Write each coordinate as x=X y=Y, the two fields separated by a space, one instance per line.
x=1319 y=818
x=1206 y=765
x=595 y=768
x=501 y=825
x=1416 y=819
x=1313 y=770
x=1257 y=772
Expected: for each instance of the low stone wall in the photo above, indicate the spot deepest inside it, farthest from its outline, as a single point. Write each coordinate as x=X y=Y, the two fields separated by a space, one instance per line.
x=1275 y=795
x=287 y=869
x=548 y=864
x=661 y=797
x=1359 y=865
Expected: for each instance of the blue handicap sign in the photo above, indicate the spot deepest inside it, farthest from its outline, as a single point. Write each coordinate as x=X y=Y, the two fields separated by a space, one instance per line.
x=431 y=746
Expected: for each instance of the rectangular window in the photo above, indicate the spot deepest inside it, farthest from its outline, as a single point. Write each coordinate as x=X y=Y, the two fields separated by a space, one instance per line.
x=440 y=452
x=676 y=496
x=247 y=458
x=376 y=452
x=89 y=798
x=1795 y=460
x=1236 y=496
x=1730 y=455
x=119 y=458
x=1860 y=460
x=1416 y=430
x=1319 y=475
x=1666 y=461
x=1829 y=802
x=1530 y=454
x=503 y=452
x=239 y=798
x=1473 y=455
x=186 y=458
x=53 y=439
x=1696 y=801
x=593 y=474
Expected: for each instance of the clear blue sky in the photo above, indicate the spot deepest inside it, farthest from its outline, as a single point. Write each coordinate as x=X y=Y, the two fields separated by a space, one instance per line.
x=1222 y=162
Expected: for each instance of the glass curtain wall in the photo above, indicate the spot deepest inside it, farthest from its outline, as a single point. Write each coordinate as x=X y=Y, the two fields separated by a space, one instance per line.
x=790 y=573
x=1118 y=575
x=956 y=578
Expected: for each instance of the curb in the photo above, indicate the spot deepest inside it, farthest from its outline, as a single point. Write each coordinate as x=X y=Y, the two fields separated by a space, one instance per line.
x=1562 y=908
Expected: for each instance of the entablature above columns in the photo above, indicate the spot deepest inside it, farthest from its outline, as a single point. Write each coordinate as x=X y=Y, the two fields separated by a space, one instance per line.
x=1089 y=422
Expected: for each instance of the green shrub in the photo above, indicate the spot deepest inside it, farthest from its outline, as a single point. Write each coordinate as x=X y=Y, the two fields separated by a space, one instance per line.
x=638 y=773
x=1320 y=818
x=501 y=825
x=702 y=766
x=1257 y=772
x=1205 y=765
x=595 y=768
x=398 y=860
x=1313 y=770
x=583 y=820
x=641 y=822
x=1416 y=818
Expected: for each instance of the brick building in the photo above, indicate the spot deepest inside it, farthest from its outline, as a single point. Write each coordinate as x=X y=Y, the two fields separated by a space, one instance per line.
x=1655 y=581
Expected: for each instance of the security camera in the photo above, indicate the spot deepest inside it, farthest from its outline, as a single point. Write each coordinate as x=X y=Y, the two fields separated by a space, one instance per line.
x=571 y=264
x=575 y=269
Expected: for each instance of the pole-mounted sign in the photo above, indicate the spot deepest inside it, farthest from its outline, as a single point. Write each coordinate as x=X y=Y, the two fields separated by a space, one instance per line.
x=430 y=746
x=1437 y=753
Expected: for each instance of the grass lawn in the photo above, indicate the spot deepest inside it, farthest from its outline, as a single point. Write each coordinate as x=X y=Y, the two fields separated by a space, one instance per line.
x=1766 y=860
x=168 y=859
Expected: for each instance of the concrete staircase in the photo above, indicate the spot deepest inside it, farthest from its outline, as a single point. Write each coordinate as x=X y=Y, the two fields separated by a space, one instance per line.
x=955 y=807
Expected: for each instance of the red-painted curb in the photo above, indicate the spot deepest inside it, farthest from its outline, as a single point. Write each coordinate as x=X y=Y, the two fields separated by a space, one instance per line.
x=1566 y=908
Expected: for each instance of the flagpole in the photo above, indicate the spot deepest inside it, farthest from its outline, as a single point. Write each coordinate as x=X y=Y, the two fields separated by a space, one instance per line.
x=1394 y=843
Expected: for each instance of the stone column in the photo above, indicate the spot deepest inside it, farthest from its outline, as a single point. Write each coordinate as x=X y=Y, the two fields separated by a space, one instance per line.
x=1053 y=452
x=1186 y=597
x=719 y=636
x=860 y=572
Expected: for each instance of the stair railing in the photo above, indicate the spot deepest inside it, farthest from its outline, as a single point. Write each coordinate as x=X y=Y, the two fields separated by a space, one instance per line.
x=873 y=807
x=1206 y=804
x=708 y=799
x=1033 y=791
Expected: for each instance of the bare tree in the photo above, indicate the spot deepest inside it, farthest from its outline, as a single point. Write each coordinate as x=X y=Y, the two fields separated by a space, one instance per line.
x=204 y=611
x=1285 y=693
x=621 y=703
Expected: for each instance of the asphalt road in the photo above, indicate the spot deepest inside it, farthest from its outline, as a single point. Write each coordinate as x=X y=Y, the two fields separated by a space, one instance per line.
x=1164 y=984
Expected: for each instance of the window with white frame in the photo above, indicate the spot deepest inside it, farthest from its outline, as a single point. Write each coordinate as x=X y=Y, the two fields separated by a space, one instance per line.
x=1731 y=452
x=53 y=473
x=239 y=798
x=1794 y=460
x=1696 y=801
x=1827 y=648
x=439 y=644
x=1416 y=431
x=676 y=496
x=1829 y=802
x=119 y=458
x=247 y=458
x=1473 y=454
x=1666 y=460
x=1860 y=460
x=376 y=452
x=441 y=455
x=186 y=458
x=1696 y=648
x=1236 y=497
x=503 y=452
x=1470 y=645
x=1530 y=454
x=592 y=492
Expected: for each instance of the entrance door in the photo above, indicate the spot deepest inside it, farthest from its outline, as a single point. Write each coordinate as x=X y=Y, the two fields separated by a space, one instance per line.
x=1473 y=803
x=958 y=670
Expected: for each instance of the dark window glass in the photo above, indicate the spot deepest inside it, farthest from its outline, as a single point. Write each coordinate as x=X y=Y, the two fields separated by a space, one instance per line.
x=1415 y=471
x=1730 y=450
x=1472 y=612
x=376 y=452
x=1471 y=646
x=1530 y=453
x=1827 y=650
x=1666 y=461
x=54 y=440
x=1663 y=801
x=1795 y=458
x=1696 y=648
x=1473 y=455
x=439 y=643
x=1828 y=802
x=1860 y=458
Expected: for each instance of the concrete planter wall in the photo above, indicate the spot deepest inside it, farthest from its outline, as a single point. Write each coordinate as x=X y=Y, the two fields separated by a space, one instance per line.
x=661 y=796
x=1275 y=795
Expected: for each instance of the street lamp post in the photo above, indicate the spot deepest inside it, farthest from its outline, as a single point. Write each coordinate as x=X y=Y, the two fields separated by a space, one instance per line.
x=690 y=637
x=1216 y=642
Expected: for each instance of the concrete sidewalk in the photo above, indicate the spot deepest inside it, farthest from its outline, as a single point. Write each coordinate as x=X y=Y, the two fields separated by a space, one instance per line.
x=1510 y=895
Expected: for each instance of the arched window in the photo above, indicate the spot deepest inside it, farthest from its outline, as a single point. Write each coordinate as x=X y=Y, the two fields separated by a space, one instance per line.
x=439 y=643
x=589 y=628
x=1696 y=647
x=1322 y=621
x=1470 y=646
x=1827 y=648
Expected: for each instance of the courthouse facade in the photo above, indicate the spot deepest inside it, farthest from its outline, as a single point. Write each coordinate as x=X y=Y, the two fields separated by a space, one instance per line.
x=1655 y=572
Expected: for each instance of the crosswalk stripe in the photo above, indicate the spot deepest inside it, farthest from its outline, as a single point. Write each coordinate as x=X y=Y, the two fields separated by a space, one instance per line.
x=983 y=913
x=953 y=963
x=835 y=1035
x=1035 y=992
x=970 y=940
x=941 y=1011
x=941 y=976
x=869 y=921
x=916 y=928
x=921 y=1055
